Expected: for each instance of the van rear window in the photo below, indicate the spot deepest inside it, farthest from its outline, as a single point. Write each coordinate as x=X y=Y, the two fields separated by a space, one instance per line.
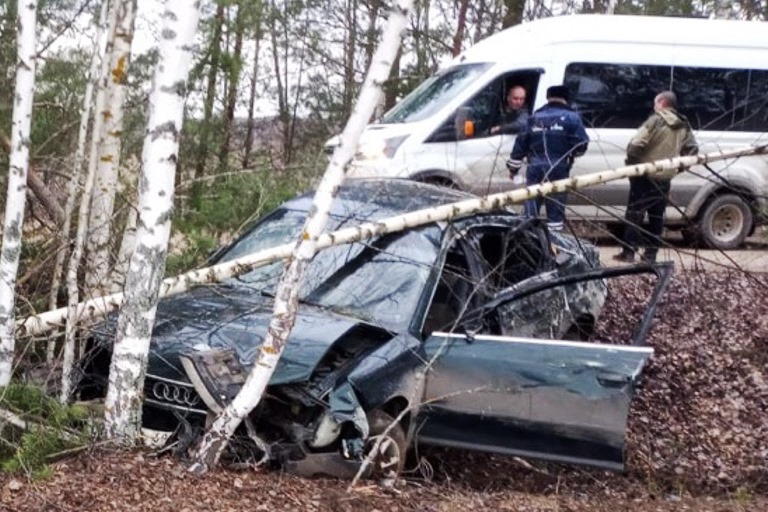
x=621 y=95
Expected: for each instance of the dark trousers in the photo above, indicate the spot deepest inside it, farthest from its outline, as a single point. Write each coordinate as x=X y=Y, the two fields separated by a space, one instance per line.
x=645 y=196
x=555 y=203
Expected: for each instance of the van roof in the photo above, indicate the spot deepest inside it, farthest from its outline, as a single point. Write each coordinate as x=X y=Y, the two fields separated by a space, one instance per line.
x=618 y=28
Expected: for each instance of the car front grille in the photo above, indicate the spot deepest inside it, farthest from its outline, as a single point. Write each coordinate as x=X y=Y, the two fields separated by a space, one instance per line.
x=172 y=394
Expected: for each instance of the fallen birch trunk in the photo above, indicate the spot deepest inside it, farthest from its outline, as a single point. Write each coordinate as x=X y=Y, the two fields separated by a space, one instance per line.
x=99 y=307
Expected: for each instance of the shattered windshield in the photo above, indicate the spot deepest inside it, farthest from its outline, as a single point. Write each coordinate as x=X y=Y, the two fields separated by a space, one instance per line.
x=379 y=280
x=433 y=94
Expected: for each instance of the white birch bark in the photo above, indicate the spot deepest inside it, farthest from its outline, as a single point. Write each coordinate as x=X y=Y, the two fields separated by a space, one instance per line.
x=74 y=180
x=26 y=23
x=286 y=297
x=73 y=292
x=108 y=160
x=82 y=134
x=127 y=246
x=98 y=307
x=145 y=272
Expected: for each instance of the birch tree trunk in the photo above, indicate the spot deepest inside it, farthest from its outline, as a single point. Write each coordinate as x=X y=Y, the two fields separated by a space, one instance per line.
x=73 y=291
x=145 y=272
x=26 y=22
x=286 y=297
x=74 y=180
x=128 y=241
x=103 y=201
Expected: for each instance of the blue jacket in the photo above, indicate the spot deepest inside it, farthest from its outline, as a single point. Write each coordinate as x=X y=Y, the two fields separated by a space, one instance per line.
x=553 y=137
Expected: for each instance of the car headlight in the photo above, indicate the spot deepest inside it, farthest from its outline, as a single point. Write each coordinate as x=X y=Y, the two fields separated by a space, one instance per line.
x=327 y=432
x=379 y=148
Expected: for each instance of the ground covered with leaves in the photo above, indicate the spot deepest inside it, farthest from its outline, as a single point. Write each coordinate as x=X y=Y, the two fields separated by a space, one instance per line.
x=697 y=438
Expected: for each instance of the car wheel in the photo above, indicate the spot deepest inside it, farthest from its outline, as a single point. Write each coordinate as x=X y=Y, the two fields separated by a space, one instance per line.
x=725 y=222
x=440 y=182
x=577 y=332
x=389 y=460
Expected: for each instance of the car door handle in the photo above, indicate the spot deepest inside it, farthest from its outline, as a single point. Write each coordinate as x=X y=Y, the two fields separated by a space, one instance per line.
x=613 y=379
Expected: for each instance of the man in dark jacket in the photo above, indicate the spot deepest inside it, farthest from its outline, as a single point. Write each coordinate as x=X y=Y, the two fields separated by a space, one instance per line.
x=665 y=134
x=553 y=138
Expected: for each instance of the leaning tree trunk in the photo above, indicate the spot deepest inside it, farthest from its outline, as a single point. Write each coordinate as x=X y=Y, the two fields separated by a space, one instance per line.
x=286 y=298
x=26 y=21
x=105 y=184
x=95 y=308
x=145 y=272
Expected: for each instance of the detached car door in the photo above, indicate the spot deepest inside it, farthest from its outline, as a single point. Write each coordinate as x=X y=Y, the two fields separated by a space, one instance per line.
x=544 y=398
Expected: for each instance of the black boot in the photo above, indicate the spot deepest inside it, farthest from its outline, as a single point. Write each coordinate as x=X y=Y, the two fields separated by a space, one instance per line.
x=625 y=256
x=649 y=256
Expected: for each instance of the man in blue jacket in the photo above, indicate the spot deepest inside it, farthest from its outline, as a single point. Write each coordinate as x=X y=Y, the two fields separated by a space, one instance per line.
x=553 y=138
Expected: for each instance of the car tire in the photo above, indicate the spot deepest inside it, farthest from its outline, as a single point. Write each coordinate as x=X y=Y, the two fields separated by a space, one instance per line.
x=440 y=182
x=390 y=459
x=725 y=222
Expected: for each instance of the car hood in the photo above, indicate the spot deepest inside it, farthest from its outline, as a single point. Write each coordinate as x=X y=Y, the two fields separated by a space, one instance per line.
x=237 y=318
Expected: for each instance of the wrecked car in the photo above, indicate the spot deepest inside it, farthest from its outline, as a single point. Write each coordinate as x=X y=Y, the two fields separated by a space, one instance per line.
x=471 y=333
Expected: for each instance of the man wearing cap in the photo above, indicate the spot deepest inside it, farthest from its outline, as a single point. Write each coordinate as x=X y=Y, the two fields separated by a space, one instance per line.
x=554 y=136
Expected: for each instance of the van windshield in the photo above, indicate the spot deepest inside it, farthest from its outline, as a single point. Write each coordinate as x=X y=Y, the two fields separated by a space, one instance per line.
x=433 y=94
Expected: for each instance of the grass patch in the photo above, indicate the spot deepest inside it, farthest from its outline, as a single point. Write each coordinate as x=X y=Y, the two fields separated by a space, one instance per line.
x=51 y=428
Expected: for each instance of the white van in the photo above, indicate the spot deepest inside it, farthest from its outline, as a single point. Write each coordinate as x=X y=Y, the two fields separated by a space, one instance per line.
x=613 y=66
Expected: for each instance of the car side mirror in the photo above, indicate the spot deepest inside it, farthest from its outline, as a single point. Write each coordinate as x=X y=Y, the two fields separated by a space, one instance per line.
x=464 y=126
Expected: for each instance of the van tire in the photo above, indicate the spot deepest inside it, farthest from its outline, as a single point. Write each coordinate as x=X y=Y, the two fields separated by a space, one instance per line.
x=725 y=222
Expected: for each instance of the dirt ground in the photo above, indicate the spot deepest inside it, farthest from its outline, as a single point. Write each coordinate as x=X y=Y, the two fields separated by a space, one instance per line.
x=697 y=438
x=136 y=481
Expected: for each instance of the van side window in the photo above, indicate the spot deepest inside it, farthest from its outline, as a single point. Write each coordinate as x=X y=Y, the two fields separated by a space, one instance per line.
x=615 y=95
x=723 y=99
x=621 y=95
x=485 y=109
x=712 y=98
x=756 y=103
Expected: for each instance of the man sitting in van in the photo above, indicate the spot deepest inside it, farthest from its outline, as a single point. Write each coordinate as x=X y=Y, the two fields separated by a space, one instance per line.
x=554 y=136
x=665 y=134
x=515 y=113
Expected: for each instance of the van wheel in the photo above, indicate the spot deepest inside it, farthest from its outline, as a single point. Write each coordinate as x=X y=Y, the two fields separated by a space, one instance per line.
x=691 y=235
x=725 y=222
x=389 y=460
